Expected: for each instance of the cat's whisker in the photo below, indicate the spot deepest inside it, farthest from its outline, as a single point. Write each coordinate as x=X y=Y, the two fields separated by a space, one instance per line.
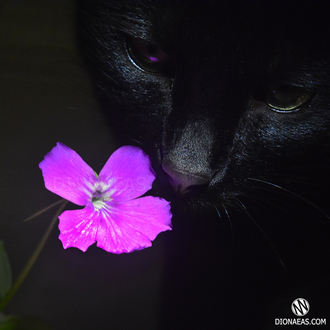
x=230 y=223
x=282 y=189
x=256 y=198
x=244 y=209
x=229 y=220
x=303 y=181
x=217 y=211
x=299 y=178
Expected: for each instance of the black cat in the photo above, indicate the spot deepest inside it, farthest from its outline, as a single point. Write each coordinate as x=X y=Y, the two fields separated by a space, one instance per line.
x=231 y=100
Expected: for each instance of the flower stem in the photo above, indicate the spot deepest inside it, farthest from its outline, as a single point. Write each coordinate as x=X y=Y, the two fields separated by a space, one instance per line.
x=43 y=210
x=32 y=259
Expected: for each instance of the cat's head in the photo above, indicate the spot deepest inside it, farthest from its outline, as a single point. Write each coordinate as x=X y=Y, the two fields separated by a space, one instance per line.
x=221 y=94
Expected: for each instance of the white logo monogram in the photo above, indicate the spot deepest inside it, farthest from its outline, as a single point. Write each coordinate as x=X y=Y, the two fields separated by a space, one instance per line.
x=300 y=307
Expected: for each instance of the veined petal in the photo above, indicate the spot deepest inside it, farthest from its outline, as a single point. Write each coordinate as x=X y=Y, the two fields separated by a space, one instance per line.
x=148 y=215
x=78 y=228
x=67 y=175
x=127 y=174
x=113 y=238
x=133 y=225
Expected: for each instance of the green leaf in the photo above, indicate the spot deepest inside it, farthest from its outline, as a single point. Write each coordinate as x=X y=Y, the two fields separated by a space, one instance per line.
x=8 y=323
x=5 y=272
x=22 y=323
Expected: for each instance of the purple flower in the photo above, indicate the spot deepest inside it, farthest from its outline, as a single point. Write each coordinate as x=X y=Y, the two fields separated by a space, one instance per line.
x=113 y=216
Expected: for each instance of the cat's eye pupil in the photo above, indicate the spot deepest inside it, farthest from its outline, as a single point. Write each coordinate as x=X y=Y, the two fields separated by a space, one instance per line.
x=149 y=57
x=285 y=97
x=152 y=51
x=152 y=56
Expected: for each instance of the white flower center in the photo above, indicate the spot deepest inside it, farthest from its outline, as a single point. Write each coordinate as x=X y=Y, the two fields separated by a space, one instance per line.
x=98 y=201
x=100 y=197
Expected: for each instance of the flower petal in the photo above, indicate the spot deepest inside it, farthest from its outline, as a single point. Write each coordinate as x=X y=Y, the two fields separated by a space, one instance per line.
x=127 y=174
x=78 y=228
x=67 y=175
x=133 y=225
x=112 y=238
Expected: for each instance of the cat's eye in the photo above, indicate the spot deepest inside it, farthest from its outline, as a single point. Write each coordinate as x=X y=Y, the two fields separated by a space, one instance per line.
x=149 y=57
x=287 y=98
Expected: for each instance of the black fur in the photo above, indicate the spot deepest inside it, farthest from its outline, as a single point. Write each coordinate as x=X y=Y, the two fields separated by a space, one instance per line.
x=248 y=183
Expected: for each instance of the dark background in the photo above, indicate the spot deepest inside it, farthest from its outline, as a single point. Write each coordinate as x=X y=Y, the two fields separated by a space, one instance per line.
x=46 y=97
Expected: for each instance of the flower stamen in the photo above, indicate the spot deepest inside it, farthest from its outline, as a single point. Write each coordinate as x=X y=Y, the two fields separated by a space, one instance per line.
x=98 y=201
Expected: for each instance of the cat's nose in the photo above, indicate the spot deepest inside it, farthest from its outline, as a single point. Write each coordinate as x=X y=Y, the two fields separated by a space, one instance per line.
x=182 y=180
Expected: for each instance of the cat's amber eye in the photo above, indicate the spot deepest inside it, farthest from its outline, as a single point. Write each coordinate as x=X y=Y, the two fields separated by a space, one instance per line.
x=287 y=98
x=149 y=57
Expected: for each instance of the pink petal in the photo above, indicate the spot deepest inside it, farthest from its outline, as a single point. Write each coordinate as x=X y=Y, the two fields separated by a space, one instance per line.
x=133 y=225
x=128 y=172
x=67 y=175
x=78 y=228
x=112 y=238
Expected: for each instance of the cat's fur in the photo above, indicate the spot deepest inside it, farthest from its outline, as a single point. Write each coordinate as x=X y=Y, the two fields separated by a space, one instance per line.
x=248 y=184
